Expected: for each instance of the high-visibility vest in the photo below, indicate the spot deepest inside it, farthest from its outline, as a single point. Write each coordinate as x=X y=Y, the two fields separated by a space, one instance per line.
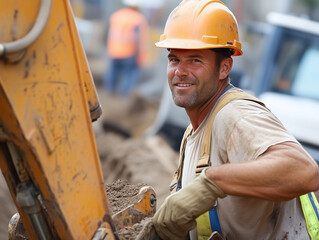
x=128 y=35
x=208 y=222
x=310 y=208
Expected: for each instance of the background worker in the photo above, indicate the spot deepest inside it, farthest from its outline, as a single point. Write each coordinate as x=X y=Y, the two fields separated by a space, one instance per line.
x=127 y=48
x=256 y=169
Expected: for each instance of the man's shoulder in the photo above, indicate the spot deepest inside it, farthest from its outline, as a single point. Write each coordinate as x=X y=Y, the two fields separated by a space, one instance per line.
x=240 y=101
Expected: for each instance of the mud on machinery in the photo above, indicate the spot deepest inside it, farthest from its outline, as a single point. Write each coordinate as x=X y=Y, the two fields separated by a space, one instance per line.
x=48 y=101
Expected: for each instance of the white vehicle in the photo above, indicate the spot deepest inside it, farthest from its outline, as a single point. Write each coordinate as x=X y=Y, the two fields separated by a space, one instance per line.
x=289 y=79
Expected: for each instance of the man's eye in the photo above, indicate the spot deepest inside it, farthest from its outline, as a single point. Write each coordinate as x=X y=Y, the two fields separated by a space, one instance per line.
x=173 y=60
x=196 y=60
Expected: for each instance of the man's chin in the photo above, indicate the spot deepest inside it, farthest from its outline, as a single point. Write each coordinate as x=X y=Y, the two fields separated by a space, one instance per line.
x=179 y=105
x=182 y=102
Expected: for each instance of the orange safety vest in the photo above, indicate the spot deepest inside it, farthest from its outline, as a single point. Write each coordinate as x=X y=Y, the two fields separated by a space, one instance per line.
x=123 y=40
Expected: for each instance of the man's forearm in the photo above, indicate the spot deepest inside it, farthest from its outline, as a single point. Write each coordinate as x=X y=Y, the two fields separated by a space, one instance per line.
x=283 y=172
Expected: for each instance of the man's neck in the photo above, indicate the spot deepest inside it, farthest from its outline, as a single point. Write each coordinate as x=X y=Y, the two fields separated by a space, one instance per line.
x=197 y=115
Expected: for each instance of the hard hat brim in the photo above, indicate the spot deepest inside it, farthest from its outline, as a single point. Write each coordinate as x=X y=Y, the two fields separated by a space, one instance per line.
x=193 y=44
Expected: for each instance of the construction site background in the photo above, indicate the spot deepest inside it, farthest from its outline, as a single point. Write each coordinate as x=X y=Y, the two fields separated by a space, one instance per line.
x=93 y=18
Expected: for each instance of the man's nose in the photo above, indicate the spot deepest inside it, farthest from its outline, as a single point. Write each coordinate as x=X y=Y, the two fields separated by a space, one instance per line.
x=181 y=70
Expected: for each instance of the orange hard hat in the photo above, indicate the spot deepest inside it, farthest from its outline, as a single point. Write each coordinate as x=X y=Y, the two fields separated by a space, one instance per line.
x=201 y=24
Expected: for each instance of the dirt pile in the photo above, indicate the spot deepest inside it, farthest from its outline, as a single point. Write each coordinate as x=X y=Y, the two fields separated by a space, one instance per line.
x=135 y=159
x=139 y=231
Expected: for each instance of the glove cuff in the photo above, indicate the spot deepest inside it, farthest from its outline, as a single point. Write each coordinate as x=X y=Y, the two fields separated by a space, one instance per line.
x=209 y=183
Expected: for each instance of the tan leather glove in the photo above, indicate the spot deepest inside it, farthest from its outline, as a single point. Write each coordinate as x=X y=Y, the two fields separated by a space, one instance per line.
x=176 y=217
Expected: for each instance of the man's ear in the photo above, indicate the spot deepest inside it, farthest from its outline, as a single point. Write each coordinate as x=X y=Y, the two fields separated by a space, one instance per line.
x=225 y=67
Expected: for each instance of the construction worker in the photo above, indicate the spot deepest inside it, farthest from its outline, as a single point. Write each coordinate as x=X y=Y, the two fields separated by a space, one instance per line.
x=241 y=172
x=126 y=48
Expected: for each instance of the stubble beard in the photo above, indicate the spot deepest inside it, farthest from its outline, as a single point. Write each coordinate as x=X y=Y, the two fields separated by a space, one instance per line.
x=186 y=101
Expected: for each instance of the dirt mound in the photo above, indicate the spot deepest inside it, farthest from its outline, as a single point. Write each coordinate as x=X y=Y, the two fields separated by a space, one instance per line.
x=139 y=231
x=136 y=159
x=140 y=161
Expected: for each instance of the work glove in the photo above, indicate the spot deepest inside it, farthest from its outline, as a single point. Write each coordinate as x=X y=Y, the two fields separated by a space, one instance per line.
x=176 y=217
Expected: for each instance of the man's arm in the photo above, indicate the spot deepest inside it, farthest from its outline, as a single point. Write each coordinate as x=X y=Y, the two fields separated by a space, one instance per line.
x=281 y=173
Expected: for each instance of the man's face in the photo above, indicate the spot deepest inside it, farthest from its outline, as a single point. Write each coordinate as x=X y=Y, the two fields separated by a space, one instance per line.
x=193 y=76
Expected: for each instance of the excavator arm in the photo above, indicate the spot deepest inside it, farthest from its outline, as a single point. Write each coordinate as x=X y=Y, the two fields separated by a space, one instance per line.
x=48 y=101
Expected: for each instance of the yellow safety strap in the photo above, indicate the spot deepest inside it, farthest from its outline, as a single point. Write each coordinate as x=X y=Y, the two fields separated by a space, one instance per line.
x=176 y=178
x=204 y=159
x=310 y=208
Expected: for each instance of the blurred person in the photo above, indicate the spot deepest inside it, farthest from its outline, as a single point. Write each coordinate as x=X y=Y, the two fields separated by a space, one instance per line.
x=127 y=48
x=240 y=172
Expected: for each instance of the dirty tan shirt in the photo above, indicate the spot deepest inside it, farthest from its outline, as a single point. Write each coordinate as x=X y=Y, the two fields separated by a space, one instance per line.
x=242 y=131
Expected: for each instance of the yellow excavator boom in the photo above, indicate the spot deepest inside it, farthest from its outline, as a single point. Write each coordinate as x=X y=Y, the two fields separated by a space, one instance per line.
x=48 y=153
